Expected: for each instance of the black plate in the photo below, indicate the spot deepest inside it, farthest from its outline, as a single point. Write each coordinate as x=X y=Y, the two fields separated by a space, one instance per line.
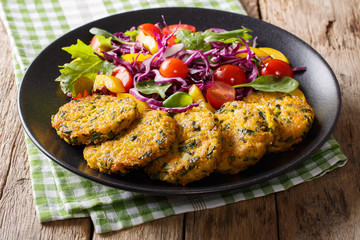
x=40 y=97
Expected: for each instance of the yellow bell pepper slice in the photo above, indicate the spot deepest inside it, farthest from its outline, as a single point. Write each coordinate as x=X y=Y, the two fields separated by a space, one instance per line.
x=258 y=52
x=112 y=83
x=148 y=41
x=297 y=92
x=141 y=106
x=82 y=84
x=275 y=54
x=132 y=56
x=198 y=97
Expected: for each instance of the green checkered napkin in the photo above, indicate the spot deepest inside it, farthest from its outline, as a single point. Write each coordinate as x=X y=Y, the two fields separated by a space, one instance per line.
x=60 y=194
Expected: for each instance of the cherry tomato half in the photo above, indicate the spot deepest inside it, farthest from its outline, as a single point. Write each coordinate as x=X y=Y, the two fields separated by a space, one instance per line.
x=173 y=67
x=171 y=28
x=123 y=74
x=230 y=74
x=220 y=93
x=277 y=67
x=95 y=43
x=149 y=29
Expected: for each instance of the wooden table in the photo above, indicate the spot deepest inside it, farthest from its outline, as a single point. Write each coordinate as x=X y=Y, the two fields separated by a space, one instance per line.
x=326 y=208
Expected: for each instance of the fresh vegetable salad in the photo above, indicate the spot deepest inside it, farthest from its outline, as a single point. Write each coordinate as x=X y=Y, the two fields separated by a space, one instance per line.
x=232 y=102
x=175 y=67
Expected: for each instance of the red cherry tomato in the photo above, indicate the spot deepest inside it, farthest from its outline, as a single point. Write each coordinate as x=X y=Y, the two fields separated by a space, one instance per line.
x=220 y=93
x=230 y=74
x=277 y=67
x=173 y=67
x=123 y=74
x=171 y=28
x=149 y=29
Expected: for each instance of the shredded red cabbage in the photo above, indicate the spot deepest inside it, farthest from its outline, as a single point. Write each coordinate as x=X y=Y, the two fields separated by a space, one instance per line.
x=201 y=65
x=299 y=69
x=149 y=101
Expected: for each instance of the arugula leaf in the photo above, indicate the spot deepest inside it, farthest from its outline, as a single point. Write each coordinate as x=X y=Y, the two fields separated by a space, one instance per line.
x=200 y=40
x=272 y=83
x=179 y=99
x=85 y=65
x=106 y=34
x=80 y=50
x=102 y=32
x=192 y=40
x=132 y=34
x=227 y=37
x=150 y=87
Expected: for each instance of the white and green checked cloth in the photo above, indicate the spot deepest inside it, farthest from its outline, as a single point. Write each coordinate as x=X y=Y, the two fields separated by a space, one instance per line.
x=60 y=194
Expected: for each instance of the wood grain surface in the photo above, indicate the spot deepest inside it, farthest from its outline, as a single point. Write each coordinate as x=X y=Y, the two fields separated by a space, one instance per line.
x=326 y=208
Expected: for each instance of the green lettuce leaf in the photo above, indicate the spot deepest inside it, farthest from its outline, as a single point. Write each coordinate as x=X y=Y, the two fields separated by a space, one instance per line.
x=85 y=65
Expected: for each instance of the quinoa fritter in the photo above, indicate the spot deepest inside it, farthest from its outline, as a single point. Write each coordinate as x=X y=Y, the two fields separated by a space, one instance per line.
x=94 y=119
x=144 y=141
x=247 y=129
x=195 y=152
x=294 y=115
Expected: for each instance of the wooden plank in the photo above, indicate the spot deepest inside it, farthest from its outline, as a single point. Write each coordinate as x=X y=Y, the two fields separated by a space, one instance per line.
x=251 y=7
x=166 y=228
x=326 y=208
x=253 y=219
x=18 y=219
x=7 y=108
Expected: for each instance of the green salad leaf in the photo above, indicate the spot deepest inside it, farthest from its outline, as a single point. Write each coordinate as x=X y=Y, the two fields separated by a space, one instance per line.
x=85 y=65
x=229 y=36
x=179 y=99
x=105 y=43
x=131 y=34
x=80 y=50
x=200 y=40
x=150 y=87
x=192 y=40
x=272 y=83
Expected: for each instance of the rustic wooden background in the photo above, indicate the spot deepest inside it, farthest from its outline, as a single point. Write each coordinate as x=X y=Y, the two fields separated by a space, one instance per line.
x=326 y=208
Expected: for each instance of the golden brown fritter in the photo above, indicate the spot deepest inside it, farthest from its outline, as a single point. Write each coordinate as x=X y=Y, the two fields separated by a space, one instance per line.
x=94 y=119
x=294 y=115
x=247 y=129
x=144 y=141
x=195 y=152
